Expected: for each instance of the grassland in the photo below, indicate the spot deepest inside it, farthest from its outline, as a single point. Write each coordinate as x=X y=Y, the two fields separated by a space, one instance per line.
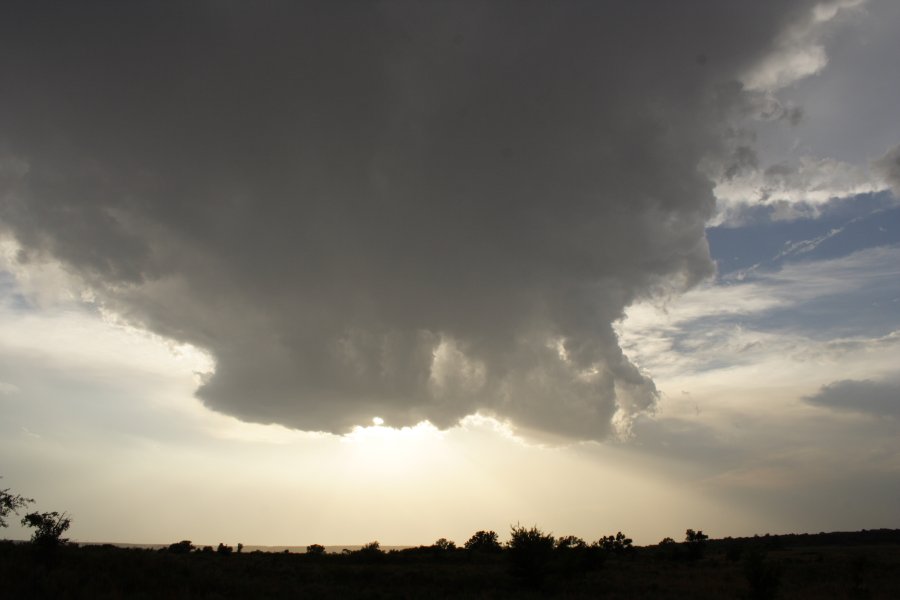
x=850 y=565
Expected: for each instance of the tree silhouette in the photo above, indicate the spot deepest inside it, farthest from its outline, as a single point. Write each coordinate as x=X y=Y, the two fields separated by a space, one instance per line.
x=570 y=542
x=371 y=552
x=695 y=541
x=483 y=541
x=444 y=545
x=530 y=551
x=11 y=503
x=618 y=543
x=668 y=549
x=575 y=557
x=48 y=527
x=224 y=550
x=315 y=550
x=182 y=547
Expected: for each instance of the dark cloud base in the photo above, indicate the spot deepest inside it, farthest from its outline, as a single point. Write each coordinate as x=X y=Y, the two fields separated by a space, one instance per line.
x=409 y=210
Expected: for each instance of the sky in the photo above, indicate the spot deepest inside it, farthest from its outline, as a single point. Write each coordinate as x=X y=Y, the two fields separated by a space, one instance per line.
x=331 y=273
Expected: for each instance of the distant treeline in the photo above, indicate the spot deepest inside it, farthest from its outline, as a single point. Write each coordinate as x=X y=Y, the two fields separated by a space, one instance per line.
x=530 y=564
x=865 y=537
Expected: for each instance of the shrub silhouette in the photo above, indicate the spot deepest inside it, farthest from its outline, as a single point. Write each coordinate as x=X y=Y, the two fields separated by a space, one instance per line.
x=182 y=547
x=530 y=553
x=444 y=545
x=48 y=527
x=11 y=503
x=315 y=550
x=668 y=549
x=483 y=541
x=371 y=552
x=224 y=550
x=695 y=542
x=617 y=544
x=575 y=556
x=570 y=542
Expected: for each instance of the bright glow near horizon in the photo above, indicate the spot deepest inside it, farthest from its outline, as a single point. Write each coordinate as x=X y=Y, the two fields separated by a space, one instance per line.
x=190 y=466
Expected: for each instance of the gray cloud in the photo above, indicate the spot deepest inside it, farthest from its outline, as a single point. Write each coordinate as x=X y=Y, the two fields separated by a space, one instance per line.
x=879 y=398
x=888 y=167
x=409 y=210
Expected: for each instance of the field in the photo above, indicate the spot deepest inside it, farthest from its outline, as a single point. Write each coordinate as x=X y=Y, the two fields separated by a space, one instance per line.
x=857 y=565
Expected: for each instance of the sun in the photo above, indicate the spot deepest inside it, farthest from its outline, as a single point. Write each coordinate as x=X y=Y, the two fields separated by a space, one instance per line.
x=383 y=449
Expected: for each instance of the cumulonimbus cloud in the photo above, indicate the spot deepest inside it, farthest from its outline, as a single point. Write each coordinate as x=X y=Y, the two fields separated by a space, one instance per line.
x=406 y=210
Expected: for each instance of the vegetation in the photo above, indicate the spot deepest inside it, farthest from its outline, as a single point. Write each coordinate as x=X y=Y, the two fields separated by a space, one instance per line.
x=11 y=504
x=530 y=553
x=696 y=543
x=224 y=550
x=861 y=565
x=619 y=543
x=484 y=541
x=182 y=547
x=48 y=528
x=531 y=564
x=444 y=545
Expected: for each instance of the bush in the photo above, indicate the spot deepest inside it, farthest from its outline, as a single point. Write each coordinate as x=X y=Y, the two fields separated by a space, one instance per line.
x=444 y=545
x=315 y=550
x=182 y=547
x=668 y=549
x=574 y=556
x=11 y=503
x=48 y=527
x=483 y=541
x=224 y=550
x=570 y=542
x=530 y=552
x=618 y=544
x=695 y=541
x=371 y=552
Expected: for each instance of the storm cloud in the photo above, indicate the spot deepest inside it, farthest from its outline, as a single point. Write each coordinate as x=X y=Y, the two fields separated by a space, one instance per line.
x=415 y=211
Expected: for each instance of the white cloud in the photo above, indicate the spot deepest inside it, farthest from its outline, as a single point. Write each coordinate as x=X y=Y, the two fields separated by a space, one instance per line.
x=888 y=166
x=799 y=51
x=717 y=328
x=795 y=188
x=803 y=134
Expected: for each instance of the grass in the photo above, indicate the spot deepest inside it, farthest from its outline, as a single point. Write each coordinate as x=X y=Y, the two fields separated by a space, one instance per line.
x=800 y=567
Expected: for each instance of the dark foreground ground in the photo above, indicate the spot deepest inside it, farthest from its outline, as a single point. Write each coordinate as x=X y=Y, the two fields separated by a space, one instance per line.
x=853 y=565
